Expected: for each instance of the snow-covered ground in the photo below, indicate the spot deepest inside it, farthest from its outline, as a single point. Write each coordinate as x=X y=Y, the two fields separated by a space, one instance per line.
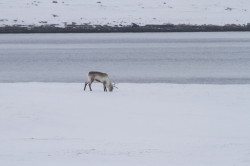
x=124 y=12
x=138 y=124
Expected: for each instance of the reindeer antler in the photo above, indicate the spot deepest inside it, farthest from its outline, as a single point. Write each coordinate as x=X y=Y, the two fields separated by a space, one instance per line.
x=114 y=85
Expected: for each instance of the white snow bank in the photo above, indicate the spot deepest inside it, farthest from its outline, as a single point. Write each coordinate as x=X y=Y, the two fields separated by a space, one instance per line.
x=124 y=12
x=138 y=124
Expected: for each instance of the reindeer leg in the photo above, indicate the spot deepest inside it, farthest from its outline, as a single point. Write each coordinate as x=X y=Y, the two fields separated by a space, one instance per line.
x=104 y=87
x=92 y=80
x=90 y=87
x=86 y=83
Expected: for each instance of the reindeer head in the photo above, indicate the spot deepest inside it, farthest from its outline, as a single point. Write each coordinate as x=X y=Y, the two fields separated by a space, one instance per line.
x=111 y=87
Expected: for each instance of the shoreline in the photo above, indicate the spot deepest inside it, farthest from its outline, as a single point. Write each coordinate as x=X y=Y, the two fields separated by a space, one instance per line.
x=73 y=28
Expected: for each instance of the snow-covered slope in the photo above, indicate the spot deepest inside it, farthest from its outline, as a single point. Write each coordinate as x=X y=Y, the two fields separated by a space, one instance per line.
x=124 y=12
x=58 y=124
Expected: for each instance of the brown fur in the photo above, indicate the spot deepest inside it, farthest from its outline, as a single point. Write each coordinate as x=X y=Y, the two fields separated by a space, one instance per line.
x=94 y=73
x=92 y=76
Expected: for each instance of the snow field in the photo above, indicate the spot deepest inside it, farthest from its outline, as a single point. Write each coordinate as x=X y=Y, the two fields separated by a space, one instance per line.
x=138 y=124
x=124 y=12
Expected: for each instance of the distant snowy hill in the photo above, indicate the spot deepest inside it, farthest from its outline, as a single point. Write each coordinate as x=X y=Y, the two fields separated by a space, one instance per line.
x=123 y=12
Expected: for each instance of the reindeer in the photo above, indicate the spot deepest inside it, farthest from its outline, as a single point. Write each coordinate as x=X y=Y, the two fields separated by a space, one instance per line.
x=99 y=77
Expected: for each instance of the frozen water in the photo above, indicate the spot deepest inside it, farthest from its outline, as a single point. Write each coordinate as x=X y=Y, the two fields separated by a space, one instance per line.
x=221 y=57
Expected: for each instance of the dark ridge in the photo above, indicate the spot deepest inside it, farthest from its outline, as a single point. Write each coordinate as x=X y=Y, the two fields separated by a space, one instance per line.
x=74 y=28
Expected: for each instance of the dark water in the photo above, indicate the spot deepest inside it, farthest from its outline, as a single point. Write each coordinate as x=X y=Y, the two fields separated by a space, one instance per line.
x=220 y=58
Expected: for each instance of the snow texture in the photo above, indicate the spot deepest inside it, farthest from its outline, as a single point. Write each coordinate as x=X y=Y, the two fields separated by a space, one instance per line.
x=138 y=125
x=124 y=12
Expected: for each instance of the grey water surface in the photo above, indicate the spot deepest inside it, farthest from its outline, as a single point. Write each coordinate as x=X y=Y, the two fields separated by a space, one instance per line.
x=213 y=57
